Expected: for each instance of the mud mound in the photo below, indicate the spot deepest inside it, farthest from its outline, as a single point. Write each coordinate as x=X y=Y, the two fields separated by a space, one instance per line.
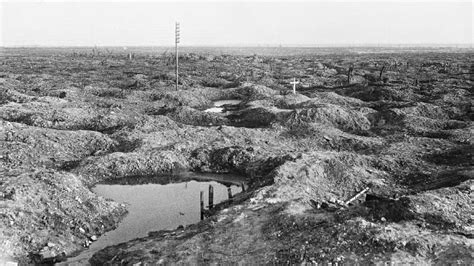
x=250 y=92
x=289 y=101
x=432 y=111
x=455 y=97
x=442 y=214
x=150 y=124
x=14 y=87
x=328 y=114
x=325 y=177
x=42 y=208
x=219 y=83
x=369 y=94
x=31 y=146
x=261 y=103
x=341 y=79
x=150 y=162
x=237 y=159
x=64 y=115
x=10 y=95
x=330 y=138
x=227 y=159
x=258 y=117
x=424 y=126
x=332 y=98
x=432 y=212
x=463 y=135
x=190 y=116
x=191 y=98
x=164 y=76
x=106 y=92
x=172 y=158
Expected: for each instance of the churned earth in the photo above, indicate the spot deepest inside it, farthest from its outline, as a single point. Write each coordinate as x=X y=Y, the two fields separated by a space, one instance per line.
x=370 y=161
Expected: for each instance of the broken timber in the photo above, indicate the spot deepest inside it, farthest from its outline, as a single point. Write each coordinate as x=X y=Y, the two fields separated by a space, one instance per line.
x=358 y=195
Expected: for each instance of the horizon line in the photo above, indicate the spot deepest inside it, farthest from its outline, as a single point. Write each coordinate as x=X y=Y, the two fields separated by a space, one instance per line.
x=328 y=45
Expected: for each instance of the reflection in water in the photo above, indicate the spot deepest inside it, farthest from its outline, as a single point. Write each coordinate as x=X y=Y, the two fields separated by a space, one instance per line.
x=153 y=207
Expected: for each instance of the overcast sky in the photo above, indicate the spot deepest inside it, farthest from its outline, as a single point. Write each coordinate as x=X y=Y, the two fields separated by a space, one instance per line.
x=235 y=23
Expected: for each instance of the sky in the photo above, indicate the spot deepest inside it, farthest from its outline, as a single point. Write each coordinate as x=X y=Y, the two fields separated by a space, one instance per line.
x=235 y=23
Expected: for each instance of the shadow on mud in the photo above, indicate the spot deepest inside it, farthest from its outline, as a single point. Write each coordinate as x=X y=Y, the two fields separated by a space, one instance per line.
x=419 y=182
x=459 y=156
x=394 y=210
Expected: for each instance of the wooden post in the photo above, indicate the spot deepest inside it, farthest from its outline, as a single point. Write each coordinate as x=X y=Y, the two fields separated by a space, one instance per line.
x=211 y=197
x=349 y=75
x=243 y=186
x=381 y=72
x=229 y=192
x=202 y=205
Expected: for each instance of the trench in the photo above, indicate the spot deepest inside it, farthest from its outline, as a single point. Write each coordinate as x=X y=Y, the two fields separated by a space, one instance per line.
x=154 y=207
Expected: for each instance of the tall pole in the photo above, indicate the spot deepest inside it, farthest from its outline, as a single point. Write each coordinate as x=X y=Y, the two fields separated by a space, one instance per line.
x=176 y=49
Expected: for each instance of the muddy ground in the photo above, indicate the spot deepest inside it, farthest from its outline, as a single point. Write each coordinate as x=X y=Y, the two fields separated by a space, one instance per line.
x=397 y=124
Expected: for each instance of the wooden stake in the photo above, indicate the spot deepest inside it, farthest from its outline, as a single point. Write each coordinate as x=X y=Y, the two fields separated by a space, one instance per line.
x=349 y=75
x=202 y=204
x=229 y=192
x=211 y=197
x=381 y=72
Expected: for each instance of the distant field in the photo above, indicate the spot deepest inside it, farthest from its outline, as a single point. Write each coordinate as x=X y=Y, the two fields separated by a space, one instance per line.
x=264 y=51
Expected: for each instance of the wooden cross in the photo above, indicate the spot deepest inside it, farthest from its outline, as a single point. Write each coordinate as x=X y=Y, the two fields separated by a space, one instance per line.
x=294 y=82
